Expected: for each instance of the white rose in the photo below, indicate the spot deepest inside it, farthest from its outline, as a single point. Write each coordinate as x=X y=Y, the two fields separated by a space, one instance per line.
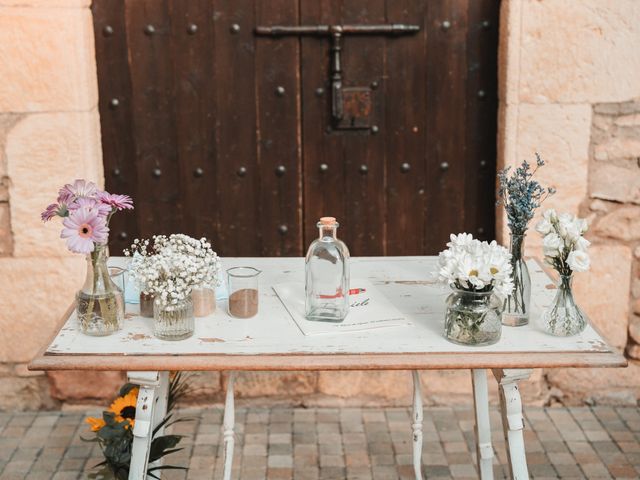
x=582 y=244
x=573 y=230
x=550 y=215
x=544 y=227
x=551 y=245
x=578 y=261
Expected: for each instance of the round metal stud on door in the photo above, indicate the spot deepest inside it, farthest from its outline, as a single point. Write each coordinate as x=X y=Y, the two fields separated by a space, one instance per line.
x=324 y=168
x=198 y=172
x=156 y=172
x=107 y=31
x=192 y=28
x=364 y=169
x=149 y=30
x=281 y=170
x=405 y=167
x=242 y=171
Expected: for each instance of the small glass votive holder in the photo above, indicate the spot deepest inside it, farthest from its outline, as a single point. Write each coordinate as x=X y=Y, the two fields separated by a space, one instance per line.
x=243 y=291
x=204 y=300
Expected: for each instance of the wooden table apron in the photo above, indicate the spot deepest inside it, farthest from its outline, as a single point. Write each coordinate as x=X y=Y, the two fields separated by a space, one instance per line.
x=271 y=341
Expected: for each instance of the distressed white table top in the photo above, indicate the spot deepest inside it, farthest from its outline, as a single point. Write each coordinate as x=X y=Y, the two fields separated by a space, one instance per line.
x=271 y=340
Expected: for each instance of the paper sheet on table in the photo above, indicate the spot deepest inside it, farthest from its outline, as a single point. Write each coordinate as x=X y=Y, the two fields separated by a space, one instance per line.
x=369 y=309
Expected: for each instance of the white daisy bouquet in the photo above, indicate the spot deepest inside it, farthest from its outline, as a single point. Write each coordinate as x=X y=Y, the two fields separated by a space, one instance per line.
x=474 y=266
x=170 y=267
x=563 y=244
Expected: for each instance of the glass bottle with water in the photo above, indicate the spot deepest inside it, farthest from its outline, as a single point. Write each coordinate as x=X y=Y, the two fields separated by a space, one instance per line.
x=327 y=275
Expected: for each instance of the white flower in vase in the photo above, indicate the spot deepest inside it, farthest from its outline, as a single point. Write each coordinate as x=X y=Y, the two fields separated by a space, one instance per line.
x=579 y=261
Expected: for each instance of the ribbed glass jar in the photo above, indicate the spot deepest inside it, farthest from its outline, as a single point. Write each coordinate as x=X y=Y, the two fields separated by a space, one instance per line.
x=173 y=321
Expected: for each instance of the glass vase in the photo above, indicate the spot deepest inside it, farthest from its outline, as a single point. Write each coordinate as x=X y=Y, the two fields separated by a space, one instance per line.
x=173 y=321
x=473 y=318
x=563 y=317
x=146 y=305
x=100 y=302
x=516 y=305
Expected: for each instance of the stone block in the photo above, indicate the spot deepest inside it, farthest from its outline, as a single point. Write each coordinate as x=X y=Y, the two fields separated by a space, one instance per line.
x=561 y=135
x=285 y=384
x=616 y=182
x=622 y=224
x=23 y=393
x=579 y=383
x=85 y=385
x=388 y=385
x=48 y=59
x=509 y=52
x=45 y=151
x=578 y=51
x=603 y=292
x=202 y=385
x=36 y=293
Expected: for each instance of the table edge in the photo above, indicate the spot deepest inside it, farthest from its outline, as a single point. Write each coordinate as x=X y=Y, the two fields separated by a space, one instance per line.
x=289 y=362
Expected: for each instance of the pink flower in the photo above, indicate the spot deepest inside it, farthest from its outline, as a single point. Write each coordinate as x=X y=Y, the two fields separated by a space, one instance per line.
x=79 y=188
x=84 y=228
x=119 y=202
x=91 y=204
x=53 y=210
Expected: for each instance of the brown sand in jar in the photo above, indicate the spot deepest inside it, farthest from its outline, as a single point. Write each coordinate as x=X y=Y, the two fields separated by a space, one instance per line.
x=204 y=301
x=244 y=303
x=146 y=305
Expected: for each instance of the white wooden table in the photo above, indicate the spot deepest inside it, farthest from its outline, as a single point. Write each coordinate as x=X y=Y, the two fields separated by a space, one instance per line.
x=271 y=341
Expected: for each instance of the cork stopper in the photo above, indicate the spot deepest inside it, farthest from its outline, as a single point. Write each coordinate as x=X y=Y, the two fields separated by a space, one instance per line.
x=328 y=221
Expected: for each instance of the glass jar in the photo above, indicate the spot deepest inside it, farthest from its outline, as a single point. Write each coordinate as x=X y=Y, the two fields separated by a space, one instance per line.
x=517 y=305
x=563 y=317
x=99 y=303
x=204 y=300
x=146 y=305
x=243 y=290
x=473 y=318
x=327 y=275
x=173 y=321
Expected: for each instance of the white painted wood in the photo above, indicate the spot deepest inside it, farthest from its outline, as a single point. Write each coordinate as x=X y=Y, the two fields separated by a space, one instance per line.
x=148 y=383
x=416 y=426
x=512 y=419
x=160 y=409
x=228 y=424
x=405 y=281
x=484 y=448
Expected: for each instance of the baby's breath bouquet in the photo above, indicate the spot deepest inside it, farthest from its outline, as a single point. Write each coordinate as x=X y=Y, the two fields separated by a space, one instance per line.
x=565 y=249
x=168 y=268
x=521 y=195
x=479 y=273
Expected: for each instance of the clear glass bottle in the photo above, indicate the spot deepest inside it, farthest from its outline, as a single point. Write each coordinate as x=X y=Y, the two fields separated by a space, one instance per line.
x=327 y=275
x=563 y=317
x=99 y=303
x=517 y=305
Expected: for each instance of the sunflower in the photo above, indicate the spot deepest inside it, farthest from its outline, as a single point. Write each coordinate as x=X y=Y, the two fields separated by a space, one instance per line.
x=124 y=407
x=96 y=423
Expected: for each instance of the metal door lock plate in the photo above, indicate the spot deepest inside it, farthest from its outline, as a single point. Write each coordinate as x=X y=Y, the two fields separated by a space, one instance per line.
x=356 y=109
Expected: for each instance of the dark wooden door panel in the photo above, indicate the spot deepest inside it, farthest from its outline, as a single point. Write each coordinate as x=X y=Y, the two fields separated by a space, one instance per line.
x=218 y=132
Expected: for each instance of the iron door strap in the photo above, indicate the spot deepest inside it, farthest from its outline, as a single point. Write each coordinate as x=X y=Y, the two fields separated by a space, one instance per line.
x=355 y=101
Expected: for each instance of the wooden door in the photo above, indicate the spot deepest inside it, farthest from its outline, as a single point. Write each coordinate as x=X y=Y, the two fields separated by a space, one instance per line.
x=216 y=131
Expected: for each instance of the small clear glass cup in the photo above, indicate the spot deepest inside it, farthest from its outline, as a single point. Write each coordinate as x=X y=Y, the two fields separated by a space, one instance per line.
x=118 y=275
x=243 y=291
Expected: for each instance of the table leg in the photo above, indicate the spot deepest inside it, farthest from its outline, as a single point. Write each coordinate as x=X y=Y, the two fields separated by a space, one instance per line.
x=484 y=449
x=160 y=409
x=512 y=419
x=149 y=384
x=416 y=425
x=228 y=425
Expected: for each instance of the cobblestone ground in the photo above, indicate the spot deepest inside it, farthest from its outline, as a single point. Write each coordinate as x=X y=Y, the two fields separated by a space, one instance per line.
x=353 y=443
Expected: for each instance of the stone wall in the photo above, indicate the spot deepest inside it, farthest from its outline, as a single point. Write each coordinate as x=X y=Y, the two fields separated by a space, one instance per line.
x=49 y=133
x=569 y=89
x=568 y=79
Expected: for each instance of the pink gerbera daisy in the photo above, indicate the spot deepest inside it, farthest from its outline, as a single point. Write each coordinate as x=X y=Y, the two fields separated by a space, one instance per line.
x=119 y=202
x=83 y=229
x=53 y=210
x=79 y=188
x=91 y=204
